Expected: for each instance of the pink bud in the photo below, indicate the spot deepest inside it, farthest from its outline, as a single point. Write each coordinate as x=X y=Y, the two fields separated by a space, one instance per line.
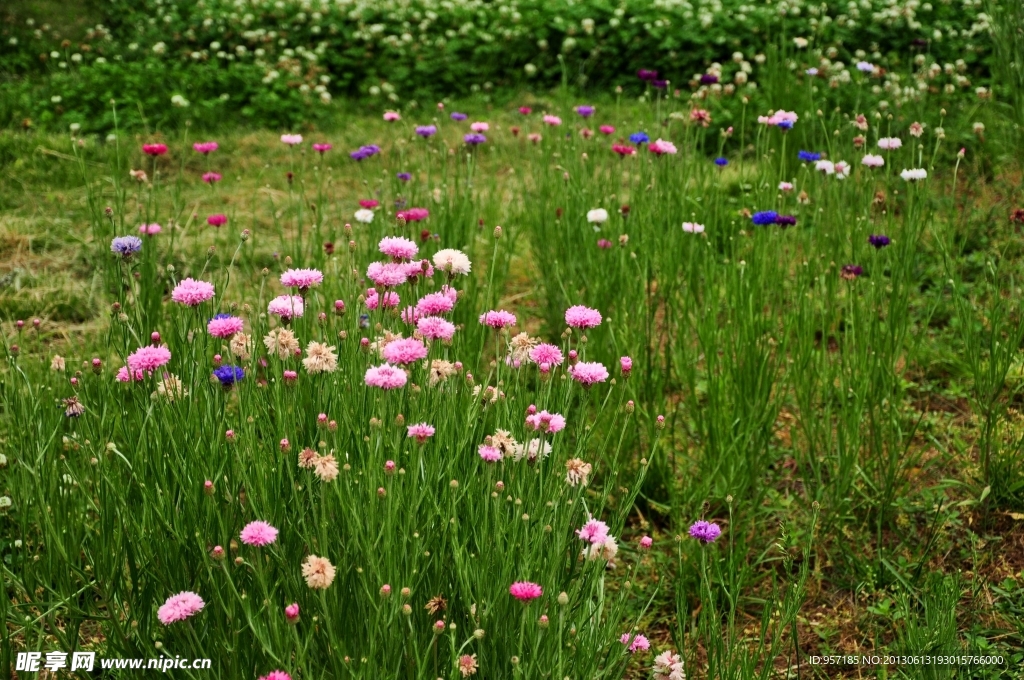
x=291 y=612
x=385 y=590
x=230 y=435
x=217 y=359
x=285 y=445
x=155 y=337
x=389 y=467
x=531 y=409
x=321 y=419
x=217 y=553
x=208 y=487
x=438 y=627
x=646 y=542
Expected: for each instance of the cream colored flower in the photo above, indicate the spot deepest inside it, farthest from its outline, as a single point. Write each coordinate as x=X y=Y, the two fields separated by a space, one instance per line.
x=241 y=346
x=282 y=342
x=320 y=358
x=318 y=572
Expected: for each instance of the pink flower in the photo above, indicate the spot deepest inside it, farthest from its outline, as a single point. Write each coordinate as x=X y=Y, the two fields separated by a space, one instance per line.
x=217 y=220
x=646 y=542
x=290 y=376
x=594 y=532
x=588 y=373
x=150 y=229
x=291 y=140
x=205 y=147
x=435 y=328
x=276 y=675
x=547 y=422
x=154 y=149
x=180 y=607
x=607 y=130
x=552 y=120
x=224 y=326
x=480 y=127
x=660 y=147
x=525 y=110
x=422 y=268
x=322 y=148
x=890 y=143
x=639 y=643
x=579 y=316
x=148 y=358
x=435 y=303
x=421 y=432
x=301 y=278
x=386 y=377
x=783 y=119
x=286 y=306
x=258 y=533
x=398 y=247
x=391 y=116
x=498 y=319
x=123 y=375
x=626 y=364
x=211 y=177
x=413 y=214
x=410 y=316
x=192 y=292
x=374 y=300
x=693 y=228
x=524 y=591
x=489 y=453
x=386 y=274
x=404 y=351
x=546 y=354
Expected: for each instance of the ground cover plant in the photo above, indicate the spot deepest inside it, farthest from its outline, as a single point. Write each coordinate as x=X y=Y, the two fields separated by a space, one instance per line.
x=654 y=384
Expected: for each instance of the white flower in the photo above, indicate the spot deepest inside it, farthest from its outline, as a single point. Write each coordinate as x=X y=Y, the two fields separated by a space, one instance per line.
x=452 y=261
x=842 y=169
x=889 y=143
x=785 y=186
x=872 y=161
x=597 y=216
x=827 y=167
x=364 y=215
x=914 y=175
x=693 y=228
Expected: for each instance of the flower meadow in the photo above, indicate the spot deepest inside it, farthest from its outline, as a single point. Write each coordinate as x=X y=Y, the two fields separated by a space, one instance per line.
x=684 y=387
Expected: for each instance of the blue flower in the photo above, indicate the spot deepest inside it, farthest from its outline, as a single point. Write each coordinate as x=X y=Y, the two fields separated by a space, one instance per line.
x=639 y=138
x=228 y=375
x=764 y=217
x=785 y=124
x=809 y=156
x=721 y=162
x=126 y=246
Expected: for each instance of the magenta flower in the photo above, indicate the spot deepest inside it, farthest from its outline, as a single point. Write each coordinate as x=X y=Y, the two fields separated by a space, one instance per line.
x=224 y=326
x=258 y=533
x=498 y=319
x=191 y=292
x=217 y=220
x=435 y=328
x=594 y=531
x=489 y=453
x=525 y=591
x=180 y=607
x=386 y=377
x=404 y=351
x=291 y=612
x=287 y=307
x=276 y=675
x=579 y=316
x=413 y=214
x=302 y=279
x=546 y=354
x=626 y=364
x=211 y=177
x=398 y=247
x=421 y=432
x=607 y=130
x=525 y=110
x=205 y=148
x=148 y=358
x=154 y=149
x=435 y=303
x=387 y=274
x=588 y=373
x=322 y=148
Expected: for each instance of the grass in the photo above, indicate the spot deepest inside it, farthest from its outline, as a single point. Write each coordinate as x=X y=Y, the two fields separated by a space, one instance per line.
x=857 y=440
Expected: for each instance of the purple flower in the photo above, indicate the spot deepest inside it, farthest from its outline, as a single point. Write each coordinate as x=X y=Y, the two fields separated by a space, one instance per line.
x=721 y=162
x=708 y=79
x=427 y=130
x=365 y=152
x=879 y=240
x=126 y=246
x=585 y=110
x=851 y=271
x=458 y=116
x=659 y=84
x=785 y=221
x=706 y=532
x=404 y=176
x=644 y=74
x=474 y=138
